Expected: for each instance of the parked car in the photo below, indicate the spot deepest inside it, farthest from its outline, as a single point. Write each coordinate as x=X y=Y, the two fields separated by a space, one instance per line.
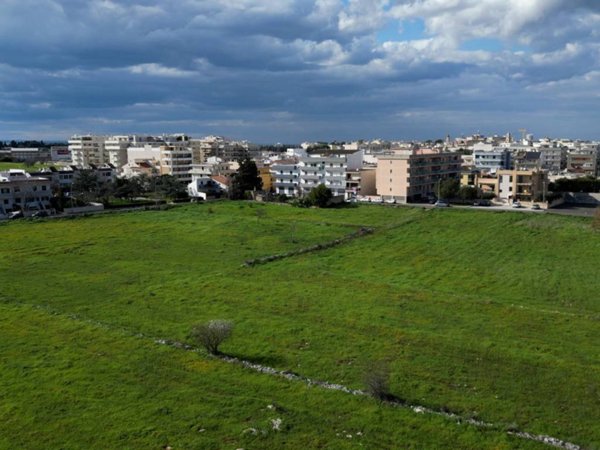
x=517 y=204
x=40 y=214
x=482 y=203
x=535 y=206
x=442 y=204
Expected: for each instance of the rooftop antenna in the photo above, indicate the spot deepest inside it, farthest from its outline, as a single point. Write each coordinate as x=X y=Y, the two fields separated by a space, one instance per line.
x=523 y=133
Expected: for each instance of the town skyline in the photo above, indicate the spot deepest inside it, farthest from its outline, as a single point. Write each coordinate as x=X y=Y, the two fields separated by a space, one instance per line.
x=290 y=71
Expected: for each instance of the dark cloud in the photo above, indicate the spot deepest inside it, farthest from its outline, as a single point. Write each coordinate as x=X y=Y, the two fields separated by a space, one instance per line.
x=294 y=69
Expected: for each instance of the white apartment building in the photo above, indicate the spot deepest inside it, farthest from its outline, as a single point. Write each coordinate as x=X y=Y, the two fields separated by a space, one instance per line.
x=285 y=177
x=176 y=160
x=327 y=170
x=116 y=147
x=87 y=150
x=491 y=160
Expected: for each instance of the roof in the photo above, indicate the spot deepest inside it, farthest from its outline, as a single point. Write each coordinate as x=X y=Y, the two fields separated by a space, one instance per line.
x=221 y=179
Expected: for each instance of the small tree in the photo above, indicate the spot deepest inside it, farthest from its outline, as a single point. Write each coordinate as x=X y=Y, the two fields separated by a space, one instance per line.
x=377 y=380
x=468 y=193
x=449 y=188
x=212 y=334
x=320 y=196
x=245 y=179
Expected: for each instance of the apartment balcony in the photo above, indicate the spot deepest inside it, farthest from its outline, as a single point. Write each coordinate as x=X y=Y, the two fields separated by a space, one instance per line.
x=286 y=176
x=285 y=185
x=313 y=177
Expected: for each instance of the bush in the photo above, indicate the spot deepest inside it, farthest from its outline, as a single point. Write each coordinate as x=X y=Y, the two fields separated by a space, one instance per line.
x=320 y=196
x=377 y=380
x=212 y=334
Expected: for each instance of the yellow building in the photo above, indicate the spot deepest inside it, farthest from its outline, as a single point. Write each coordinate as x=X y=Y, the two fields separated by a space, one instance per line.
x=267 y=179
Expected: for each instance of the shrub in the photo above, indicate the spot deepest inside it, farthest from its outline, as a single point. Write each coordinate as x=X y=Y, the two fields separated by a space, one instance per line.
x=377 y=380
x=212 y=334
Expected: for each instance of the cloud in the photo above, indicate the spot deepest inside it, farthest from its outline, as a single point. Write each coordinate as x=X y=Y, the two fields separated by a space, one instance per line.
x=286 y=70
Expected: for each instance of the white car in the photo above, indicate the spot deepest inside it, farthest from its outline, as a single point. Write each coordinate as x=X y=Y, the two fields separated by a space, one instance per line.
x=517 y=205
x=441 y=204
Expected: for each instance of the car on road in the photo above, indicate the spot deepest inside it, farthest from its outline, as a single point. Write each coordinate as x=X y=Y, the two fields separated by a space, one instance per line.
x=41 y=213
x=441 y=204
x=482 y=203
x=517 y=204
x=536 y=206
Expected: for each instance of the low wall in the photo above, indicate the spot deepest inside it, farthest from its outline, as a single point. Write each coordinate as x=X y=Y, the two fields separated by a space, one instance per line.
x=582 y=198
x=85 y=209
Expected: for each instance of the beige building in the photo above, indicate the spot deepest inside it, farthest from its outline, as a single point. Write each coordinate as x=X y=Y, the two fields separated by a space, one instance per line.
x=88 y=150
x=410 y=175
x=361 y=182
x=522 y=185
x=176 y=160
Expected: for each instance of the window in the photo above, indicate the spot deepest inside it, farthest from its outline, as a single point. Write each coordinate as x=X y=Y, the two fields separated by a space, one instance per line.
x=44 y=187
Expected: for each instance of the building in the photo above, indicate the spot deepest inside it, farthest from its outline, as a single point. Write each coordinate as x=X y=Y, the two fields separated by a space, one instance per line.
x=553 y=159
x=361 y=182
x=116 y=147
x=87 y=150
x=584 y=161
x=264 y=172
x=411 y=175
x=522 y=185
x=526 y=160
x=491 y=160
x=176 y=160
x=20 y=191
x=285 y=175
x=327 y=170
x=60 y=153
x=30 y=155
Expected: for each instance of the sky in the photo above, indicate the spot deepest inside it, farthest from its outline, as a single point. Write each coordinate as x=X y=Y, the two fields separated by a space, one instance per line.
x=299 y=70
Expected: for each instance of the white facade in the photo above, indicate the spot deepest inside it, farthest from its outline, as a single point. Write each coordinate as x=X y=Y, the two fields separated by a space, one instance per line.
x=491 y=160
x=19 y=191
x=116 y=147
x=285 y=178
x=327 y=170
x=87 y=150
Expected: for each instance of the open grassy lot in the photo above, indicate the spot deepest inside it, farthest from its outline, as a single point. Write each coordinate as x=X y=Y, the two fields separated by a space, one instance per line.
x=489 y=315
x=28 y=168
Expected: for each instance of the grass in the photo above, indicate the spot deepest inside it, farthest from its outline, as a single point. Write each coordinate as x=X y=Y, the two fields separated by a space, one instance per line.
x=27 y=167
x=491 y=315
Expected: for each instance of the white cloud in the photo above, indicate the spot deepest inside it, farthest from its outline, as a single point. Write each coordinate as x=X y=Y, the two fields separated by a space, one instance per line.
x=158 y=70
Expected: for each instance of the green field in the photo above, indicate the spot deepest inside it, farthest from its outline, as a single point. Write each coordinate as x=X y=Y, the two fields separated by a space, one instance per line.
x=489 y=315
x=27 y=167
